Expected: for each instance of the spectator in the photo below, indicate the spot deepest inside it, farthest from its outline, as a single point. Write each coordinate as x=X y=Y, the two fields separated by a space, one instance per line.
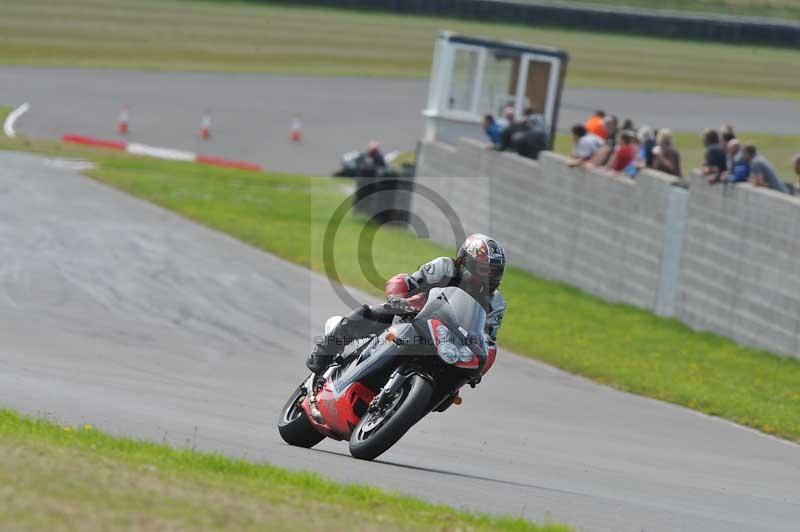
x=603 y=155
x=625 y=152
x=726 y=134
x=665 y=157
x=733 y=151
x=534 y=140
x=610 y=123
x=762 y=173
x=794 y=188
x=374 y=153
x=586 y=145
x=371 y=163
x=715 y=160
x=594 y=125
x=647 y=142
x=639 y=161
x=508 y=117
x=797 y=168
x=538 y=122
x=628 y=125
x=492 y=129
x=528 y=113
x=739 y=168
x=507 y=137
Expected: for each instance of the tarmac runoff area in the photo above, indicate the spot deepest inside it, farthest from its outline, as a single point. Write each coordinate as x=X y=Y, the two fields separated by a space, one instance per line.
x=251 y=114
x=117 y=313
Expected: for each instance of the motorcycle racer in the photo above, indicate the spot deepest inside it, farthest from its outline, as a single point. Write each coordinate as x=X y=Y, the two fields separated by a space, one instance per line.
x=477 y=269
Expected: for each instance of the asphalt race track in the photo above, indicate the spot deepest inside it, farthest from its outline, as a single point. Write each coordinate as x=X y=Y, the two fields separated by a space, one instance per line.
x=116 y=312
x=252 y=113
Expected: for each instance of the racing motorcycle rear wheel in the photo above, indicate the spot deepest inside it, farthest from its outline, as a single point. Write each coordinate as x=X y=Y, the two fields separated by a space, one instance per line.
x=382 y=427
x=294 y=425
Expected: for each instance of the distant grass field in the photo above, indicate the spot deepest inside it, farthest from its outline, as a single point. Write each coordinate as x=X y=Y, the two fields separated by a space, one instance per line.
x=250 y=37
x=614 y=344
x=75 y=478
x=781 y=9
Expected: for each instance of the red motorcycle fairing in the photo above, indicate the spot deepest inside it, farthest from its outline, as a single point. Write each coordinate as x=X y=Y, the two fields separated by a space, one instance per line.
x=341 y=413
x=490 y=358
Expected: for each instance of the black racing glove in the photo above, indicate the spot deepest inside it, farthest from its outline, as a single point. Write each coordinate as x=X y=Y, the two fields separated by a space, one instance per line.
x=399 y=305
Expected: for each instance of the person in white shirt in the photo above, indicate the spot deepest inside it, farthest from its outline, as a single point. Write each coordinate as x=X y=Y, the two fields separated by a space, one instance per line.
x=586 y=144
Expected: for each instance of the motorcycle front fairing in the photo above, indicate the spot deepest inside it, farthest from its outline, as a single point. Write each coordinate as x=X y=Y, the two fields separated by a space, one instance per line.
x=374 y=364
x=462 y=316
x=412 y=346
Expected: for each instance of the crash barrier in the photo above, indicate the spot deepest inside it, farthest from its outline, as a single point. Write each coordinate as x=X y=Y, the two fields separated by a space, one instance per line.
x=673 y=24
x=721 y=259
x=740 y=266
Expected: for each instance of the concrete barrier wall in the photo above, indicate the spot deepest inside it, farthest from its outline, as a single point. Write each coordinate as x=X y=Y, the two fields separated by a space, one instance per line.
x=679 y=25
x=600 y=233
x=740 y=267
x=719 y=259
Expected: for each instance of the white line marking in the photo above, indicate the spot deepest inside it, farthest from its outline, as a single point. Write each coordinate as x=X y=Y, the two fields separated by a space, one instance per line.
x=8 y=125
x=161 y=153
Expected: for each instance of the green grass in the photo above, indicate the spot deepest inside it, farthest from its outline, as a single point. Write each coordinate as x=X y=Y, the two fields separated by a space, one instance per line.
x=248 y=37
x=617 y=345
x=76 y=478
x=779 y=149
x=781 y=9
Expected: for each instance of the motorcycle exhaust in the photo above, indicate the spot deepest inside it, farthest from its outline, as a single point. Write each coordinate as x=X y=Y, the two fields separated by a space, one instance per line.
x=316 y=415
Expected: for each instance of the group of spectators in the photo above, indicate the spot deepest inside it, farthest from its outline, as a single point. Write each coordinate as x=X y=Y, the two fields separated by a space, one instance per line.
x=602 y=143
x=727 y=160
x=528 y=135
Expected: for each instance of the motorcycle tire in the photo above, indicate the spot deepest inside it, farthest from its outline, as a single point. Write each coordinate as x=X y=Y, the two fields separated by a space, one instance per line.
x=414 y=397
x=294 y=426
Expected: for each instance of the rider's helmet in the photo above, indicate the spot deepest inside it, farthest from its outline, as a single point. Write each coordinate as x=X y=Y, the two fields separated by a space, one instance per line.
x=481 y=262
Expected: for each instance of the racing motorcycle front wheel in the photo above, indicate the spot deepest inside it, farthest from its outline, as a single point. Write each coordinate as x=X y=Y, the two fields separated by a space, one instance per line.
x=294 y=426
x=383 y=425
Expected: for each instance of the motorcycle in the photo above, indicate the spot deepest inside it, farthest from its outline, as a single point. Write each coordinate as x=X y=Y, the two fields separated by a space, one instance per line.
x=375 y=394
x=359 y=164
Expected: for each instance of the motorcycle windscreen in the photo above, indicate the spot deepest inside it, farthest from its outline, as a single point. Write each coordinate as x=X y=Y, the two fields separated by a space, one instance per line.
x=458 y=310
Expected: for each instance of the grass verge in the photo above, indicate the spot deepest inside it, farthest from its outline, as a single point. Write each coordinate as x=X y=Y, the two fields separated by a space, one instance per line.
x=251 y=37
x=65 y=478
x=617 y=345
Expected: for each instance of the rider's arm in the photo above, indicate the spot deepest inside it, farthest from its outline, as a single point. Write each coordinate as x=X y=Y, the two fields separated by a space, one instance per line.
x=437 y=272
x=493 y=321
x=494 y=318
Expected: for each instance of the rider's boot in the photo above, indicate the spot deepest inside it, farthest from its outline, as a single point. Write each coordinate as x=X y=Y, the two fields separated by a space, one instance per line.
x=320 y=358
x=360 y=323
x=326 y=348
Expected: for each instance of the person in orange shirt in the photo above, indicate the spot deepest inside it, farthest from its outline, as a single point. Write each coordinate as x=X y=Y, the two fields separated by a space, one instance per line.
x=595 y=125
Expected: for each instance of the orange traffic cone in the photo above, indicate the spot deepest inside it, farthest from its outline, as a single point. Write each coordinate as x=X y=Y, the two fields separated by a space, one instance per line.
x=294 y=134
x=205 y=126
x=122 y=125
